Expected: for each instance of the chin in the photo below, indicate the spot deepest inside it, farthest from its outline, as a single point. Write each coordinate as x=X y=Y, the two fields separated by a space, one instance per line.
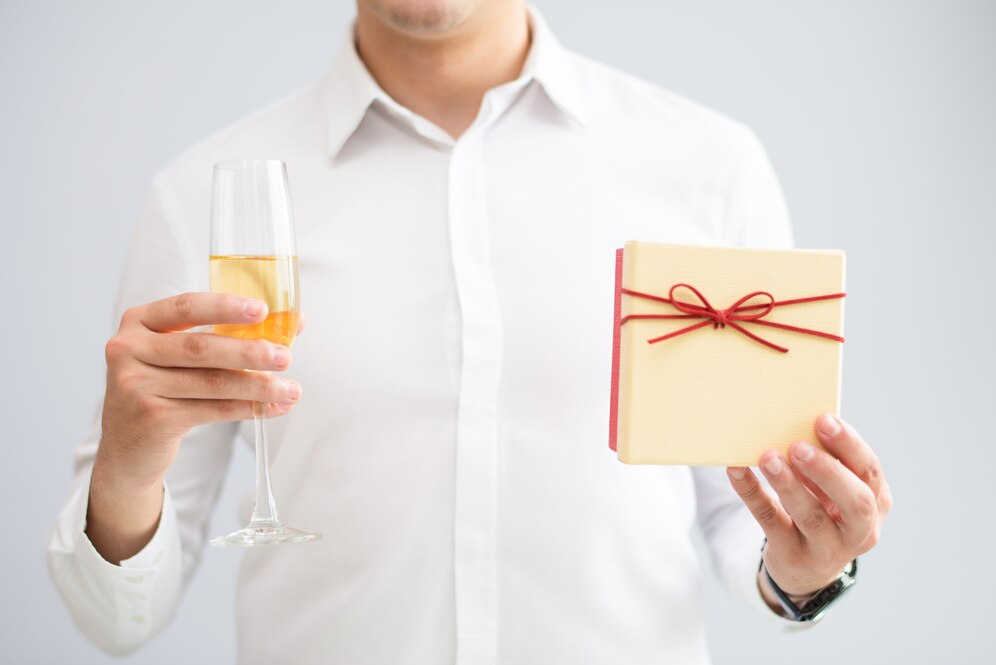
x=423 y=16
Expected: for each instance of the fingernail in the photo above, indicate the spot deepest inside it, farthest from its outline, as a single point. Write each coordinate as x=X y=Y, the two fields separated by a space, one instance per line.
x=279 y=356
x=293 y=389
x=803 y=451
x=829 y=426
x=253 y=308
x=736 y=472
x=774 y=465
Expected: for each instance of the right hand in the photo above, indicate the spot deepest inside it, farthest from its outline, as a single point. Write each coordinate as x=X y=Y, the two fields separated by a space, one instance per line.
x=160 y=384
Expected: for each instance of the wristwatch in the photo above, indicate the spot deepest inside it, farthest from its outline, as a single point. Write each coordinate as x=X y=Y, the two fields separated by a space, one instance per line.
x=813 y=609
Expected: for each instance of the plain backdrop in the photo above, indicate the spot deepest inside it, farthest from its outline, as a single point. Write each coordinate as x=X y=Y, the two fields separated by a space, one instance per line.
x=880 y=118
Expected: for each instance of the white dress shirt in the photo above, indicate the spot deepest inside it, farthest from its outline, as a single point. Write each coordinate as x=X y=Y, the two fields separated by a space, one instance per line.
x=452 y=440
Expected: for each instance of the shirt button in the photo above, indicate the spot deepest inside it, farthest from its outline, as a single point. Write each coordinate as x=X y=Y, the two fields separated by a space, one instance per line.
x=134 y=580
x=137 y=618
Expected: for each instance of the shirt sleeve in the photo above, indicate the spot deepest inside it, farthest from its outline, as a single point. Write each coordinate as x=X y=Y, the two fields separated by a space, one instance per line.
x=756 y=216
x=120 y=607
x=756 y=213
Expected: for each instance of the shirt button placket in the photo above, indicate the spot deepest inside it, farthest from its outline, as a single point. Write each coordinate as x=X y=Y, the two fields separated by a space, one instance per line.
x=475 y=509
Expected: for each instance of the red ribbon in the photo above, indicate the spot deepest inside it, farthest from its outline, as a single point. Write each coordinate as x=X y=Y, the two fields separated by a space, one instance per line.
x=738 y=311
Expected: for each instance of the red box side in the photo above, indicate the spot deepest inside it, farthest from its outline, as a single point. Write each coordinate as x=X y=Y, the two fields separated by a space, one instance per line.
x=614 y=394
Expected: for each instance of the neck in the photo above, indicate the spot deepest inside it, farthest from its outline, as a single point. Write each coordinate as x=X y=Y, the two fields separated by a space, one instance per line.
x=443 y=76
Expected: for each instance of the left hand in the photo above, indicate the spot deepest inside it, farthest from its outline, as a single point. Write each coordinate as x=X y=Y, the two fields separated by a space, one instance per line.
x=830 y=506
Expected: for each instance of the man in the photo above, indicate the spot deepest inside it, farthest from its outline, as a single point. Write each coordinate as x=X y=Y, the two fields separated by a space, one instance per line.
x=460 y=183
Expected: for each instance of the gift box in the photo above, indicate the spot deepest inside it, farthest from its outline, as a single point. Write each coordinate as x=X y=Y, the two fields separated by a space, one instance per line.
x=722 y=353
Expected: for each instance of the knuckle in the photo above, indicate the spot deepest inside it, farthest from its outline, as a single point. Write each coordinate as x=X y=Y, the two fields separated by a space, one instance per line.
x=184 y=304
x=885 y=501
x=766 y=515
x=130 y=316
x=215 y=381
x=129 y=381
x=752 y=492
x=230 y=409
x=865 y=505
x=116 y=349
x=194 y=346
x=814 y=520
x=874 y=537
x=872 y=473
x=148 y=407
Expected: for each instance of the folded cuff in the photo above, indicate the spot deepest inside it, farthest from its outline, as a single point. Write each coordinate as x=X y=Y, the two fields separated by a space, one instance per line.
x=113 y=605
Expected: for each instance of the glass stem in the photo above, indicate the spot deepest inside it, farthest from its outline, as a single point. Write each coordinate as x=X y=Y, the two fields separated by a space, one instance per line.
x=264 y=510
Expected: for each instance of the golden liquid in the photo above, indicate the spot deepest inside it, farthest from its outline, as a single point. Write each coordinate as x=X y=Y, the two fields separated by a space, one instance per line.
x=272 y=279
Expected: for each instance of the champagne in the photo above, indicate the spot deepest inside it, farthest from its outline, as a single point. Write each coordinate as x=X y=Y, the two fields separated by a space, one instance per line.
x=253 y=254
x=272 y=279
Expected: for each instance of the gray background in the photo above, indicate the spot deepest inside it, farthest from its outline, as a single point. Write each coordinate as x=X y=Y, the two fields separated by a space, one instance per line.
x=879 y=117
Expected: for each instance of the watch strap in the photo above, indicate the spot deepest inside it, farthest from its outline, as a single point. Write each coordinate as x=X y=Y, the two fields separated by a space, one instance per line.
x=816 y=606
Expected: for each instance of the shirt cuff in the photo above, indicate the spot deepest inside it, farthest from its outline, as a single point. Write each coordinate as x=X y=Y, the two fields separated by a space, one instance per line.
x=117 y=606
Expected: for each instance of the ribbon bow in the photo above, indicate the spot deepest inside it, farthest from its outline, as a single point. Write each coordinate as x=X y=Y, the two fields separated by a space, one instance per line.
x=738 y=311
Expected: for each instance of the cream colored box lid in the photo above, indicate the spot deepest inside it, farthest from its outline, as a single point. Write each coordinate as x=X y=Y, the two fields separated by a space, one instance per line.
x=707 y=385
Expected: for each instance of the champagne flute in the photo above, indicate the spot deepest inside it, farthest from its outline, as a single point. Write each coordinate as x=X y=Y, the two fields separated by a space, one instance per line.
x=253 y=253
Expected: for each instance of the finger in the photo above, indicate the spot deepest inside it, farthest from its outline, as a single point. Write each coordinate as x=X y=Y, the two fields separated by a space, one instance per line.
x=201 y=411
x=827 y=502
x=301 y=325
x=806 y=511
x=774 y=521
x=188 y=310
x=223 y=384
x=843 y=442
x=210 y=350
x=855 y=499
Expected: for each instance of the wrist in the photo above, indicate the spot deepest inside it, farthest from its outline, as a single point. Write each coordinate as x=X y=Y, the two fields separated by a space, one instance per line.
x=130 y=467
x=799 y=585
x=122 y=513
x=771 y=598
x=811 y=588
x=805 y=607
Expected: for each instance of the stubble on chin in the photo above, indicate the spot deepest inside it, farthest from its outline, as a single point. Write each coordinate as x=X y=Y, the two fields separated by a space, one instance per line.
x=420 y=16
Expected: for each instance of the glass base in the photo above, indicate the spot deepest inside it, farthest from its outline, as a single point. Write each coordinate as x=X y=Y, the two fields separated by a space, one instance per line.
x=271 y=533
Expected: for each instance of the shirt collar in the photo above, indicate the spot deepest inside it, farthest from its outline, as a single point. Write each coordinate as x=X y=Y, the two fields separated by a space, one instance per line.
x=550 y=64
x=349 y=88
